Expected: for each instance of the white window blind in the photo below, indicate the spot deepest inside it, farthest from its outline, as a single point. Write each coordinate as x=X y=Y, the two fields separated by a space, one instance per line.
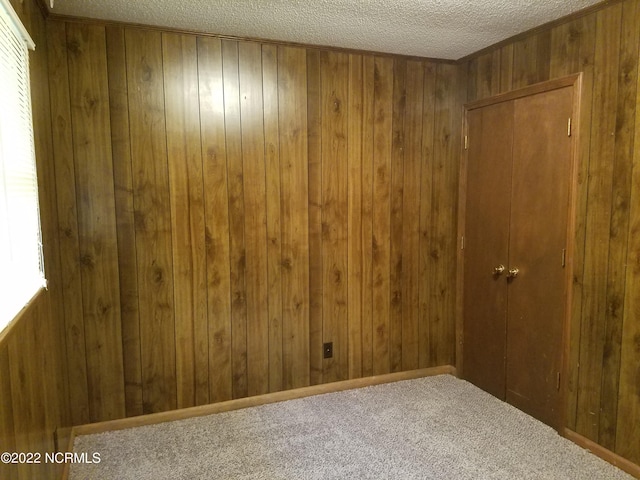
x=21 y=262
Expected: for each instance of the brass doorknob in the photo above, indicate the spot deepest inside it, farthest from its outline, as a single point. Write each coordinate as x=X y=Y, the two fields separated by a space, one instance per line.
x=513 y=272
x=498 y=270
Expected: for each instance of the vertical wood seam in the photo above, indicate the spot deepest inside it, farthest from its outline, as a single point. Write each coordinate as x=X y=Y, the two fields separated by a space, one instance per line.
x=133 y=202
x=204 y=202
x=82 y=299
x=113 y=184
x=168 y=188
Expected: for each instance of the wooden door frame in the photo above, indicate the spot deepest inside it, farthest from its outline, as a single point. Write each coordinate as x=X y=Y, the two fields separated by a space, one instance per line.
x=575 y=81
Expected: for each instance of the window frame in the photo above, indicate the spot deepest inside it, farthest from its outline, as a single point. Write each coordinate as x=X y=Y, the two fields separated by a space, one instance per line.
x=17 y=66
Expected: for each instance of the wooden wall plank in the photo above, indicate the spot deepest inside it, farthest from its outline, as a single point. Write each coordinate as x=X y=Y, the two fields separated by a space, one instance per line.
x=496 y=68
x=598 y=220
x=96 y=219
x=396 y=225
x=274 y=216
x=237 y=250
x=152 y=218
x=314 y=120
x=506 y=68
x=368 y=90
x=334 y=98
x=381 y=254
x=255 y=228
x=71 y=288
x=354 y=220
x=41 y=437
x=543 y=55
x=125 y=219
x=488 y=81
x=182 y=116
x=525 y=56
x=46 y=341
x=426 y=193
x=411 y=215
x=35 y=376
x=531 y=59
x=473 y=84
x=292 y=85
x=216 y=210
x=443 y=211
x=485 y=75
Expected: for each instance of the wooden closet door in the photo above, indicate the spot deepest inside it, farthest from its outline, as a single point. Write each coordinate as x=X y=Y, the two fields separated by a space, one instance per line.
x=486 y=246
x=539 y=216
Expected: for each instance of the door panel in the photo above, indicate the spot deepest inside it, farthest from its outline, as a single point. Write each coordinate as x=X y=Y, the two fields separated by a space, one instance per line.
x=539 y=215
x=486 y=246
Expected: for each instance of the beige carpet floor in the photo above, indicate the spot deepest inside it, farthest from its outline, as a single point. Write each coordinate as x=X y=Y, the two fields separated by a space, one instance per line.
x=430 y=428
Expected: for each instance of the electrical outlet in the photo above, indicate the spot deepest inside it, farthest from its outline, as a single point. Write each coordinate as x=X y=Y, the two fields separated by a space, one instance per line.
x=327 y=348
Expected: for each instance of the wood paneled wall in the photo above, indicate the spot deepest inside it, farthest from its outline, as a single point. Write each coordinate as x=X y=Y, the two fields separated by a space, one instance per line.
x=226 y=207
x=33 y=403
x=604 y=383
x=34 y=399
x=213 y=211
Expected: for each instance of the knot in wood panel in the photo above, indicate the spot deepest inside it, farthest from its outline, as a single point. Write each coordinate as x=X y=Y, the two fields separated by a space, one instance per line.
x=146 y=74
x=337 y=276
x=74 y=48
x=102 y=308
x=86 y=260
x=157 y=275
x=90 y=103
x=239 y=299
x=396 y=298
x=208 y=241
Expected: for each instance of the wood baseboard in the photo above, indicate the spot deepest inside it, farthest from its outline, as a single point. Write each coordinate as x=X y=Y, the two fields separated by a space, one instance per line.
x=604 y=453
x=240 y=403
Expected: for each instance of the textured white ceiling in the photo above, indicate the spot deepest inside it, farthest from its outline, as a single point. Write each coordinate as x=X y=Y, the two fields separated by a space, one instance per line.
x=447 y=29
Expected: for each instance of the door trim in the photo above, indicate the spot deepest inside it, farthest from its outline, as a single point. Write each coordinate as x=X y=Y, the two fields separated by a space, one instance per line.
x=575 y=81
